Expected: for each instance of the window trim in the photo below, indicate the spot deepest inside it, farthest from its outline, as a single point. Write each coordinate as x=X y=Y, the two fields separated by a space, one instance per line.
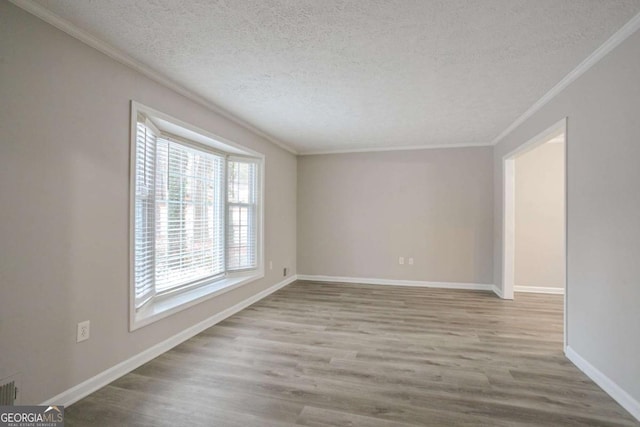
x=167 y=303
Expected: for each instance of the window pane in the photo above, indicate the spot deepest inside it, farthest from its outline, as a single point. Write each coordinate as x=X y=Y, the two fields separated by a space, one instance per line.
x=242 y=220
x=189 y=215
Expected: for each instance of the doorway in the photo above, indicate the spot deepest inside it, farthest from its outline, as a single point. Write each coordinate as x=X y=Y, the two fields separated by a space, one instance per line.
x=530 y=228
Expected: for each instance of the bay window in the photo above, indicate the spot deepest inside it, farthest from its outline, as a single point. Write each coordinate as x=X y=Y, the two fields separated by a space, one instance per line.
x=196 y=216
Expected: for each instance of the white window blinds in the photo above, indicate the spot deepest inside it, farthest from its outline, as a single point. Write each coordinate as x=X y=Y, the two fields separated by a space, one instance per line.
x=189 y=215
x=196 y=213
x=242 y=196
x=144 y=228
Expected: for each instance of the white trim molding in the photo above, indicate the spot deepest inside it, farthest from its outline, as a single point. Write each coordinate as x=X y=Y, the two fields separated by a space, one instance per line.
x=496 y=290
x=607 y=384
x=618 y=37
x=540 y=290
x=89 y=39
x=378 y=149
x=100 y=380
x=391 y=282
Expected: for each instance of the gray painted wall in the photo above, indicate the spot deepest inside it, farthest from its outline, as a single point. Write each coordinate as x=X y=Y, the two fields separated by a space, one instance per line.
x=357 y=213
x=64 y=181
x=539 y=200
x=603 y=190
x=64 y=158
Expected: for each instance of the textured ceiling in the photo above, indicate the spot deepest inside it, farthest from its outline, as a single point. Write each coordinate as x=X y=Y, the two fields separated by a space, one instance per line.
x=332 y=75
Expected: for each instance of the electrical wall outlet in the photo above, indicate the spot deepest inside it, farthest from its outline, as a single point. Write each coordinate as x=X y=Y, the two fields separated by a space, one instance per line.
x=83 y=331
x=270 y=265
x=401 y=260
x=284 y=272
x=410 y=261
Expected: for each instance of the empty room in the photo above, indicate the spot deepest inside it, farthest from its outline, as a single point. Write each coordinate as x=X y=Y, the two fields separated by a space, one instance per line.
x=319 y=213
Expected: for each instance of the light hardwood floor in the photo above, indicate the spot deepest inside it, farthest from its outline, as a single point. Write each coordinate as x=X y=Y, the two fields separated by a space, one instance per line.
x=321 y=354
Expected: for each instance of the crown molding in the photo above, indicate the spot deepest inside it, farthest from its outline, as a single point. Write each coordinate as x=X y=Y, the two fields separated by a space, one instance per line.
x=378 y=149
x=89 y=39
x=618 y=37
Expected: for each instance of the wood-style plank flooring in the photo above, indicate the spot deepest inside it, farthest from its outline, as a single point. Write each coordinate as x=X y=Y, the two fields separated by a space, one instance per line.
x=319 y=354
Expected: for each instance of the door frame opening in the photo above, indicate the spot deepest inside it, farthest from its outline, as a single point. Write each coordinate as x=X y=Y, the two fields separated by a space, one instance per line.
x=508 y=211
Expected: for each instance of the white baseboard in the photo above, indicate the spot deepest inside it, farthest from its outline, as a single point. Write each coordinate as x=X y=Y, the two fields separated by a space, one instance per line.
x=611 y=388
x=390 y=282
x=496 y=290
x=87 y=387
x=539 y=289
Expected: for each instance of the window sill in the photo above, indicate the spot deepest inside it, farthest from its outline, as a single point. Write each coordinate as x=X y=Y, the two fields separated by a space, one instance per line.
x=166 y=305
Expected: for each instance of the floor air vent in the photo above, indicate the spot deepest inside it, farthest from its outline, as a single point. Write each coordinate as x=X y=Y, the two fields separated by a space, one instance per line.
x=8 y=393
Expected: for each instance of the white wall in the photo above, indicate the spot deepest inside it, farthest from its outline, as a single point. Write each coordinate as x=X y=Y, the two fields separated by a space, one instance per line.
x=603 y=227
x=357 y=213
x=539 y=216
x=64 y=181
